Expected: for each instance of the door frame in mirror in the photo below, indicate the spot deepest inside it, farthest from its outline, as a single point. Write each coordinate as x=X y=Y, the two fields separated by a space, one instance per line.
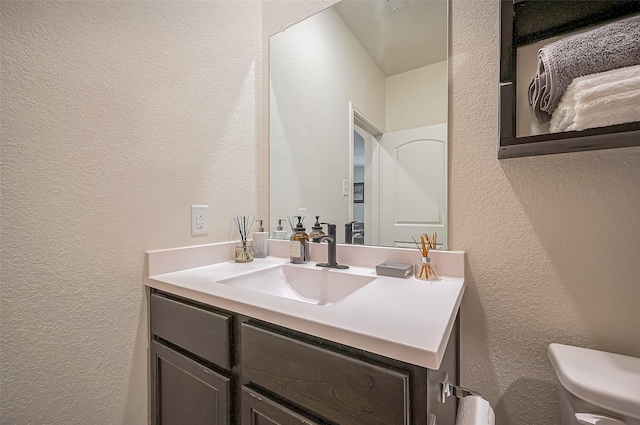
x=358 y=118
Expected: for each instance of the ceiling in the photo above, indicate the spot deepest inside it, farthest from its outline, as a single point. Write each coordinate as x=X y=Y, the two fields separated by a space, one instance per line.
x=398 y=41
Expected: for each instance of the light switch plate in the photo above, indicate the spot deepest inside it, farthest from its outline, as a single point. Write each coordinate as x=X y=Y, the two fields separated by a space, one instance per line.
x=199 y=219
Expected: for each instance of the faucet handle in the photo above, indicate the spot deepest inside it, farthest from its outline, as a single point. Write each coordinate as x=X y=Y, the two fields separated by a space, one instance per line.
x=331 y=250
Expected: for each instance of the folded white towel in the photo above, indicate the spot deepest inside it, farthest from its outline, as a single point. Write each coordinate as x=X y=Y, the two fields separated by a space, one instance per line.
x=599 y=100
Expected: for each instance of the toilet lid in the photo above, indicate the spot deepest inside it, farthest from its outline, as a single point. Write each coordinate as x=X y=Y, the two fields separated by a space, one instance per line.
x=610 y=381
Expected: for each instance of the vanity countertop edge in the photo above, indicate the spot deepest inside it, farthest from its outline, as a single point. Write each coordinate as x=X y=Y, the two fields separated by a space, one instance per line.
x=403 y=319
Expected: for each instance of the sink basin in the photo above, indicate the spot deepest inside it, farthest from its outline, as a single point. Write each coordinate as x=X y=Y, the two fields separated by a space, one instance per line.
x=318 y=286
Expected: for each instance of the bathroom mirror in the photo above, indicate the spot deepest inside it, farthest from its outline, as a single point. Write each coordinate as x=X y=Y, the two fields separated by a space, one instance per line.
x=358 y=98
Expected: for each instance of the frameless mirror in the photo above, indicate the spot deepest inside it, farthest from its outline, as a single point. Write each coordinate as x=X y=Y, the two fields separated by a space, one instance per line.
x=358 y=98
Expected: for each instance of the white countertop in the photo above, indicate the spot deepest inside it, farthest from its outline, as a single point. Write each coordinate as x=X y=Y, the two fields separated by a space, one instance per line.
x=405 y=319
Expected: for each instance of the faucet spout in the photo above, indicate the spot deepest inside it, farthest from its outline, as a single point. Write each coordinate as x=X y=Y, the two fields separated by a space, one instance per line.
x=326 y=238
x=331 y=248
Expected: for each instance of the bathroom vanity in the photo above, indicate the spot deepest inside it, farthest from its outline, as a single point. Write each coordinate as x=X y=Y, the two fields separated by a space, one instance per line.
x=226 y=354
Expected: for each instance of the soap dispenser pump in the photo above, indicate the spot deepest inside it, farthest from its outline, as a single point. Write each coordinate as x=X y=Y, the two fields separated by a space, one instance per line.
x=280 y=233
x=260 y=242
x=316 y=231
x=299 y=244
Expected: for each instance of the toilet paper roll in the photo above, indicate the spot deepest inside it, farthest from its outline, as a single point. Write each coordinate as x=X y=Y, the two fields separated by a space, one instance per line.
x=474 y=410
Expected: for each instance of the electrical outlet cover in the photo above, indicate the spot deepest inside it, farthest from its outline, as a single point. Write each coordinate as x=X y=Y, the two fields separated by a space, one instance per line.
x=199 y=219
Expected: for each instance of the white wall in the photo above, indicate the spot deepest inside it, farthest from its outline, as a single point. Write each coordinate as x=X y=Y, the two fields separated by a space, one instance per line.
x=417 y=98
x=116 y=117
x=312 y=83
x=552 y=242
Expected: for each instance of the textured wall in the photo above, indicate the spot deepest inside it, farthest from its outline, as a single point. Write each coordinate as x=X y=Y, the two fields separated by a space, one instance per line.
x=102 y=105
x=552 y=242
x=116 y=117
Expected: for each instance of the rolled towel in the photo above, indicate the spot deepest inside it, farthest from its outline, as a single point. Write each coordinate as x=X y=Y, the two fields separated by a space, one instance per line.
x=474 y=410
x=615 y=45
x=599 y=100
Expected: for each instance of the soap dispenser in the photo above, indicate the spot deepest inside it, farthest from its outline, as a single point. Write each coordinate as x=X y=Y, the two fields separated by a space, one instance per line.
x=316 y=231
x=260 y=242
x=280 y=233
x=299 y=244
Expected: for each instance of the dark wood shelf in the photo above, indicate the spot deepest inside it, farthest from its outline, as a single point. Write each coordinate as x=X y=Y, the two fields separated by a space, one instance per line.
x=526 y=21
x=540 y=19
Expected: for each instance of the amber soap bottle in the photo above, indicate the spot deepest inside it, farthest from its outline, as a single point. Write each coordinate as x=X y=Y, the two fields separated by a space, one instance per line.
x=299 y=244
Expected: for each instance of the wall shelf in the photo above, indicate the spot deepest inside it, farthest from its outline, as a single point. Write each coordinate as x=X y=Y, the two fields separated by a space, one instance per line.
x=526 y=21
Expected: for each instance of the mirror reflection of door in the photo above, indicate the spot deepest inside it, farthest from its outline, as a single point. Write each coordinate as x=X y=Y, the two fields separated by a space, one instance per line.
x=413 y=190
x=409 y=168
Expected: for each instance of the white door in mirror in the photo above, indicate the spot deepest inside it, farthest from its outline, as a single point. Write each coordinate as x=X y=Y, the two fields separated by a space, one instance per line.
x=413 y=176
x=593 y=419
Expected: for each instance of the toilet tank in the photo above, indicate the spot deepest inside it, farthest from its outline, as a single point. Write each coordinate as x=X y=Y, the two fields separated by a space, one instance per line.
x=597 y=388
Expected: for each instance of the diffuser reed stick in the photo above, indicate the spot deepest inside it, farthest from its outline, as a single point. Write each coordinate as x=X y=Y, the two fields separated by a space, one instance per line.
x=244 y=252
x=426 y=243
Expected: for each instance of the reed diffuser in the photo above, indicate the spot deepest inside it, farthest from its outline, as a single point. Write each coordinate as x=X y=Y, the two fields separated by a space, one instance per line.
x=425 y=269
x=244 y=251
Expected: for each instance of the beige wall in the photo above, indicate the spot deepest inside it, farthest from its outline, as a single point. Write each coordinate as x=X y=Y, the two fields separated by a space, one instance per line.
x=553 y=242
x=102 y=107
x=116 y=117
x=417 y=98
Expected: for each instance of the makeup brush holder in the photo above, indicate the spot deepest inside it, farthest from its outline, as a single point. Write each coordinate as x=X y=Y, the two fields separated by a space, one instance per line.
x=426 y=269
x=243 y=253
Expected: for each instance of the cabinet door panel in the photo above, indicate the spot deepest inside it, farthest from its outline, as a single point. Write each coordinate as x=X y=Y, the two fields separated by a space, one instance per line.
x=260 y=410
x=185 y=392
x=339 y=388
x=202 y=332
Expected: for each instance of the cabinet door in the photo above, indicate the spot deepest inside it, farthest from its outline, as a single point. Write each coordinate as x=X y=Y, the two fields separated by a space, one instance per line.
x=342 y=389
x=259 y=410
x=184 y=392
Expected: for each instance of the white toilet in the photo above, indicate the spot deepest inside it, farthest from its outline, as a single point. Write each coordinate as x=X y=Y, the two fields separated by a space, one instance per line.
x=597 y=388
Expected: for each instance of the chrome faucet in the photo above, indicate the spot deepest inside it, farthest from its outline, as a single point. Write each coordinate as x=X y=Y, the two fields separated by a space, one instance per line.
x=331 y=254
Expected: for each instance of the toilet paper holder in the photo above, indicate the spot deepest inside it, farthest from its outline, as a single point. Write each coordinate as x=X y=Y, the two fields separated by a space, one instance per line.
x=448 y=389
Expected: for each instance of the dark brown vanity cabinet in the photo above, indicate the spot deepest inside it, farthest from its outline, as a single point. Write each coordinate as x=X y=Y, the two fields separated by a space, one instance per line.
x=343 y=389
x=190 y=350
x=214 y=367
x=186 y=392
x=257 y=409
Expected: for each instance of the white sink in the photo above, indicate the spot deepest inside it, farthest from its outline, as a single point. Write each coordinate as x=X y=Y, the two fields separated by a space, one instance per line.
x=320 y=286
